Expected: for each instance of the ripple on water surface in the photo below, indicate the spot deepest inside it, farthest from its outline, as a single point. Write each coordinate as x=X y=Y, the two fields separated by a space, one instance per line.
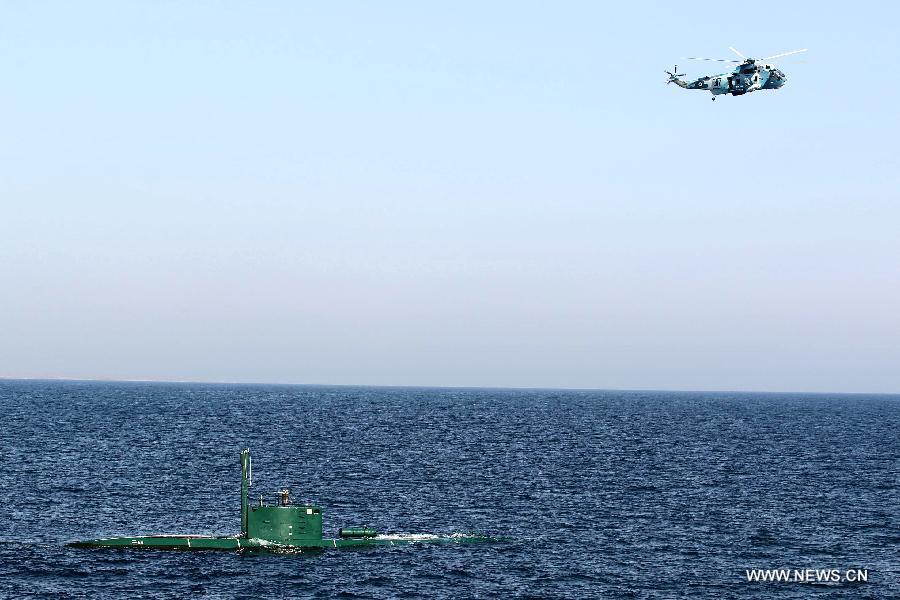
x=604 y=494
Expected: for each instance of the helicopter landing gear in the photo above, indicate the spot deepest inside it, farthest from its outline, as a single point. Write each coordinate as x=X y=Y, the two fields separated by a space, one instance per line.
x=713 y=98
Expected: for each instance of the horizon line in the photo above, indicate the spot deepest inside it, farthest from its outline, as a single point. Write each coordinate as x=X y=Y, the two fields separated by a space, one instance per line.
x=438 y=387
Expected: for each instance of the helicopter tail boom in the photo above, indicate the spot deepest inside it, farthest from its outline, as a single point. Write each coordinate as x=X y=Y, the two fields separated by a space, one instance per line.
x=673 y=78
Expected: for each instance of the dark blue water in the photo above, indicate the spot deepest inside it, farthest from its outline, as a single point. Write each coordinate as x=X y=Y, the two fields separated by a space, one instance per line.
x=605 y=494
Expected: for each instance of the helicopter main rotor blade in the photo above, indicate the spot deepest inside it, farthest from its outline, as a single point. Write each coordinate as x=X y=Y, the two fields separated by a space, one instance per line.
x=712 y=59
x=784 y=54
x=736 y=52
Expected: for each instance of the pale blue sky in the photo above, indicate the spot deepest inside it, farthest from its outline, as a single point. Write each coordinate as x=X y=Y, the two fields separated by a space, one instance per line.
x=463 y=193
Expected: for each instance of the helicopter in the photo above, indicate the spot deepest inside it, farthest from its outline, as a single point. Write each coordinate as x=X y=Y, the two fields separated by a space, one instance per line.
x=750 y=75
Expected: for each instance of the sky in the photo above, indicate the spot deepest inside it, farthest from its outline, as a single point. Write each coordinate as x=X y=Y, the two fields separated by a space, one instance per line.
x=449 y=193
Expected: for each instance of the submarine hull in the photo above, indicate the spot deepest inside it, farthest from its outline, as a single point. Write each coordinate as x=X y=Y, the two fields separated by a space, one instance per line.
x=277 y=527
x=197 y=542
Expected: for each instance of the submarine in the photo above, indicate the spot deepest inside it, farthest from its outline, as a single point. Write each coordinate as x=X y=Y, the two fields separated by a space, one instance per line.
x=282 y=526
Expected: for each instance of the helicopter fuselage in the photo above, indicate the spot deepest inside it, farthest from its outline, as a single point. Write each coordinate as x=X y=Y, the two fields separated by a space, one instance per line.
x=746 y=77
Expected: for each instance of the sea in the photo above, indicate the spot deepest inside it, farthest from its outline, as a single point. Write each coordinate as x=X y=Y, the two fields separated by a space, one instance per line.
x=595 y=494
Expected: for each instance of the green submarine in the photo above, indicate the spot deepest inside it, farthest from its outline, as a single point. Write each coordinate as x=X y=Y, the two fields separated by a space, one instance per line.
x=280 y=527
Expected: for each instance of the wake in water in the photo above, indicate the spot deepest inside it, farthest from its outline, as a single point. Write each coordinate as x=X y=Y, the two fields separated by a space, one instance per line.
x=384 y=539
x=426 y=537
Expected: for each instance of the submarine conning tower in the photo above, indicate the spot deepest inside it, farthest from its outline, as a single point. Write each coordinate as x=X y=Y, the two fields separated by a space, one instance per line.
x=283 y=523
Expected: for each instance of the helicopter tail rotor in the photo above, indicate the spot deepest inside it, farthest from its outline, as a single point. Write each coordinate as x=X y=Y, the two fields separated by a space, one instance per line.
x=673 y=76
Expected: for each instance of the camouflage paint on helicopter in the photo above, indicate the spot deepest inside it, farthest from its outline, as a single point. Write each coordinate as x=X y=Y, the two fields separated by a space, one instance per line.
x=749 y=76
